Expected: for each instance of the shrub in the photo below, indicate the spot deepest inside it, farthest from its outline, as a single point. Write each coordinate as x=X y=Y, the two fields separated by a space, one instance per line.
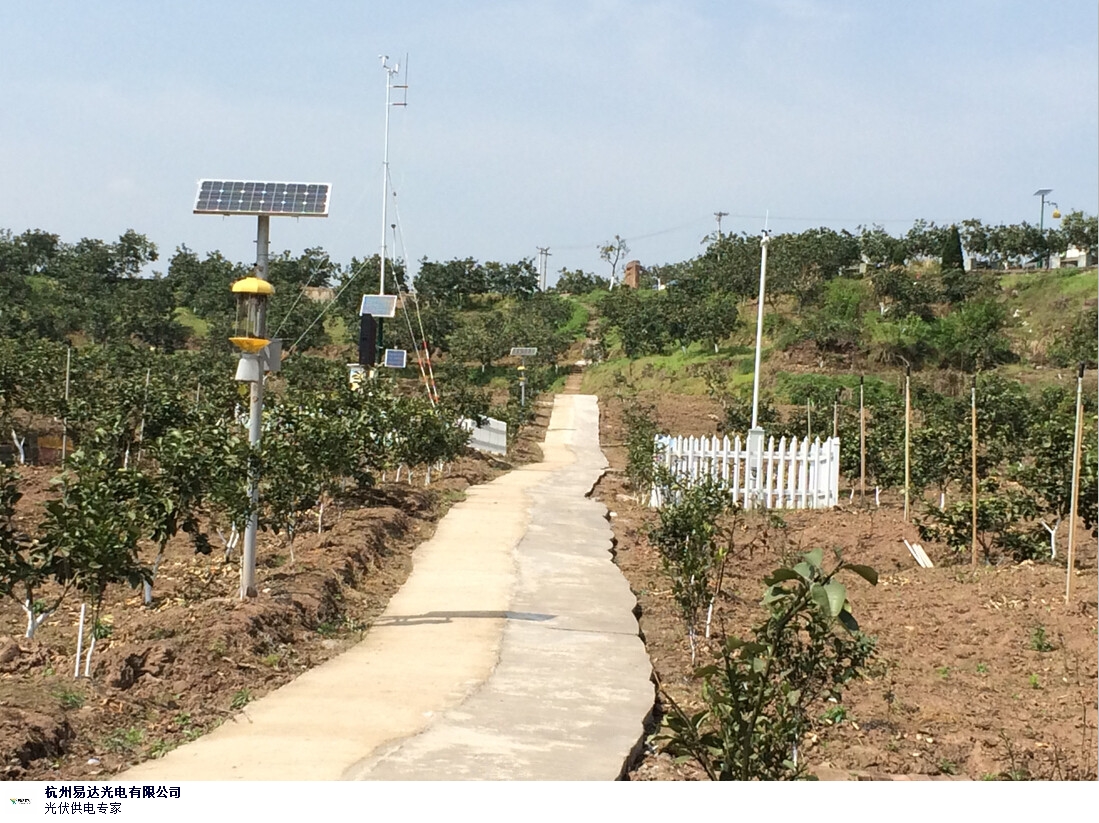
x=760 y=696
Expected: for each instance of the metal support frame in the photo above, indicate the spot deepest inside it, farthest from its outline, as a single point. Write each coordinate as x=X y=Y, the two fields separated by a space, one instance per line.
x=255 y=426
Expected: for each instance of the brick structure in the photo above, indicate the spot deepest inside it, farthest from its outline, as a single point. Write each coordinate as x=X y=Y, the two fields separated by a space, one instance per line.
x=632 y=275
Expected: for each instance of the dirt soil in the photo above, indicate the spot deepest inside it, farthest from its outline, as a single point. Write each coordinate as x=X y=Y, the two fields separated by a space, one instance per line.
x=169 y=673
x=979 y=675
x=961 y=688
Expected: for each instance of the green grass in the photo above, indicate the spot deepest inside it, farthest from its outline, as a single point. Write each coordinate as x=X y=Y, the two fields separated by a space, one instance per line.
x=1047 y=302
x=1068 y=282
x=678 y=372
x=197 y=326
x=576 y=326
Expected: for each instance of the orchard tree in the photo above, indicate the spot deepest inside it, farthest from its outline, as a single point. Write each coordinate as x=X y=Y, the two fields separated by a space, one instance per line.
x=578 y=281
x=802 y=264
x=511 y=279
x=1046 y=469
x=879 y=249
x=1082 y=231
x=452 y=282
x=925 y=239
x=478 y=338
x=612 y=253
x=730 y=264
x=92 y=532
x=971 y=337
x=26 y=564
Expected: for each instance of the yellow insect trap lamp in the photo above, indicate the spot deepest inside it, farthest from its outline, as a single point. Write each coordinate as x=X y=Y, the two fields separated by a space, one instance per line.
x=250 y=328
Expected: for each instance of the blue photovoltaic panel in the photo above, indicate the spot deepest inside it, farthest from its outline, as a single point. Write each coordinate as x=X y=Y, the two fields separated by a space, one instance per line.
x=395 y=358
x=250 y=197
x=379 y=305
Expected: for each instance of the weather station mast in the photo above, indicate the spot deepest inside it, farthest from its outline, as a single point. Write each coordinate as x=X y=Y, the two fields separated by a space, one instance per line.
x=375 y=308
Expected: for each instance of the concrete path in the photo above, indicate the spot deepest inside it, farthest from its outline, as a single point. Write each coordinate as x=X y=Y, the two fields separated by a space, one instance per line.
x=511 y=652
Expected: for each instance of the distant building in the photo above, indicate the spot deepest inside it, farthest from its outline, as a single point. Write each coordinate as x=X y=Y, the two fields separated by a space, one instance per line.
x=1072 y=257
x=320 y=294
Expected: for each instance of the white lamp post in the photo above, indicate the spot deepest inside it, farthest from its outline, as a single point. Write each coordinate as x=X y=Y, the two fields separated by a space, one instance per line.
x=755 y=434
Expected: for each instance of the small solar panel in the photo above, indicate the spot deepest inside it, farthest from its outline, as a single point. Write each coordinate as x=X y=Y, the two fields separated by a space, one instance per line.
x=379 y=305
x=524 y=351
x=251 y=197
x=395 y=358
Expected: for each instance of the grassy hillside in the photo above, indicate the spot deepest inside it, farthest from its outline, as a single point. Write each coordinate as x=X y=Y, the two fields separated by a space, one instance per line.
x=1041 y=306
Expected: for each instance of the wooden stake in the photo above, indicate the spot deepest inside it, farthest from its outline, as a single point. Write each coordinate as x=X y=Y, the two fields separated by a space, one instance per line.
x=907 y=438
x=1073 y=507
x=973 y=461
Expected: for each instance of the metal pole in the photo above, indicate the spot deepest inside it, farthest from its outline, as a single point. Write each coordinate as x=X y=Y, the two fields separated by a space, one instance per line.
x=907 y=439
x=389 y=72
x=1075 y=499
x=764 y=241
x=973 y=467
x=255 y=427
x=862 y=444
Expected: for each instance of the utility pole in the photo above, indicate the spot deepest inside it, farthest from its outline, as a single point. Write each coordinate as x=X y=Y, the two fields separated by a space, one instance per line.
x=543 y=253
x=719 y=215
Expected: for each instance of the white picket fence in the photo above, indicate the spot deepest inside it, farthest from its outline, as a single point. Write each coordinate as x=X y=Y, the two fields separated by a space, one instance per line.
x=788 y=475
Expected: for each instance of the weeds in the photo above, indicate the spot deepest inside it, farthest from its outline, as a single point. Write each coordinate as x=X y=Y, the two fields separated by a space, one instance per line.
x=241 y=698
x=123 y=741
x=1038 y=640
x=69 y=698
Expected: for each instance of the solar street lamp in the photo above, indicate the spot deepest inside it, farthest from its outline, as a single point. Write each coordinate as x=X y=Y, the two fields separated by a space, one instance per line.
x=1042 y=215
x=258 y=353
x=523 y=352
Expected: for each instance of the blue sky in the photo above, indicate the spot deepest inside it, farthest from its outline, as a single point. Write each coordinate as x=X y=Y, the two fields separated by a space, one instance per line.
x=556 y=124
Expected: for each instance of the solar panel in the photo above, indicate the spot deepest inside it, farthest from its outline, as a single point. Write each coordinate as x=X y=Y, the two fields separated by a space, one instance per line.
x=524 y=351
x=251 y=197
x=395 y=358
x=379 y=305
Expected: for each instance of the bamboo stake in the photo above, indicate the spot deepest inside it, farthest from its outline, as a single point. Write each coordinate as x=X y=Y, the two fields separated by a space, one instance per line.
x=64 y=420
x=907 y=439
x=973 y=461
x=79 y=640
x=1073 y=508
x=144 y=409
x=862 y=444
